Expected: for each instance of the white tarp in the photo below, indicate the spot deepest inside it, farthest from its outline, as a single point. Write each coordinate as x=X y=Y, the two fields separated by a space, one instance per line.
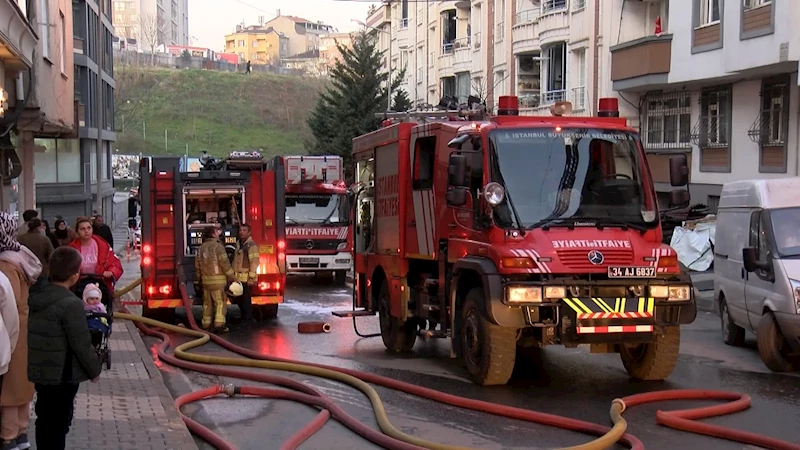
x=694 y=246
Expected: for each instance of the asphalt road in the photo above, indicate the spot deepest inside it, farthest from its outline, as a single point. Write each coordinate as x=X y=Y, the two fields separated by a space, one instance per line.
x=569 y=382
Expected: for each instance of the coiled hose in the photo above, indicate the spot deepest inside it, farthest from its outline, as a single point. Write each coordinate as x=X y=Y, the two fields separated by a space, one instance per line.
x=391 y=437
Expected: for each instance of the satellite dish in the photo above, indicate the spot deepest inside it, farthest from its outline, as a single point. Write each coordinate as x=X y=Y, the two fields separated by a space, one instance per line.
x=561 y=108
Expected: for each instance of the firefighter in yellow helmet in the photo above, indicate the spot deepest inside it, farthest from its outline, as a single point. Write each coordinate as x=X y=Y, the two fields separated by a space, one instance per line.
x=245 y=264
x=214 y=271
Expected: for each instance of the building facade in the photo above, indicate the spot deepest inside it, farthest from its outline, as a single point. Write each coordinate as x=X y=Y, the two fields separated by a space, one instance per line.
x=258 y=44
x=304 y=35
x=542 y=51
x=329 y=53
x=152 y=23
x=73 y=174
x=718 y=82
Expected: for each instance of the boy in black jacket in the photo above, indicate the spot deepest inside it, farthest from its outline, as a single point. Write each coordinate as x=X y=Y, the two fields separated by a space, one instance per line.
x=60 y=352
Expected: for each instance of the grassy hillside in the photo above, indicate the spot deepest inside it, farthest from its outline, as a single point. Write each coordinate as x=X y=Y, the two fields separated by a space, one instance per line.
x=212 y=111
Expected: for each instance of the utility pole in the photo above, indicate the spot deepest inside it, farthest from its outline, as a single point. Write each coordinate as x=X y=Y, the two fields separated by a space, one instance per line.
x=100 y=121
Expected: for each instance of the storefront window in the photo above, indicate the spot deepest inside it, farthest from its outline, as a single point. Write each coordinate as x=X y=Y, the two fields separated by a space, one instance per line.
x=91 y=149
x=45 y=161
x=56 y=161
x=69 y=161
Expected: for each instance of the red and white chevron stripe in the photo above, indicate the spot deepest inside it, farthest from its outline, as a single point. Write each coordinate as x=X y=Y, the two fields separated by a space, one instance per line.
x=616 y=329
x=616 y=315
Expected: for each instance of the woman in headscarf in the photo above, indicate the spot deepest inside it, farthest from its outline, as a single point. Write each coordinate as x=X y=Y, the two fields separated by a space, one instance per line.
x=64 y=234
x=49 y=233
x=22 y=268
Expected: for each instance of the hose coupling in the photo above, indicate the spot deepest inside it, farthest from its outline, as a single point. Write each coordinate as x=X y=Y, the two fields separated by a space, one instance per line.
x=621 y=403
x=230 y=389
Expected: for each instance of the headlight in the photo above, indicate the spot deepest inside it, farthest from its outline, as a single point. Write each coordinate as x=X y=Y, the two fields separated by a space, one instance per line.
x=341 y=246
x=796 y=293
x=555 y=292
x=671 y=293
x=524 y=294
x=494 y=193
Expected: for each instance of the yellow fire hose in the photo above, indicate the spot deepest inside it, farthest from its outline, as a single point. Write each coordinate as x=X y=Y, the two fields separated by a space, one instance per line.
x=607 y=439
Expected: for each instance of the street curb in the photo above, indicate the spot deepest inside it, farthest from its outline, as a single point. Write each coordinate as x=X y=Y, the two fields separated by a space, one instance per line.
x=158 y=382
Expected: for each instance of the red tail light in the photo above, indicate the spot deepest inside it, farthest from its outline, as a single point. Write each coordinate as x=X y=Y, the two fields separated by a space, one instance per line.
x=165 y=289
x=263 y=286
x=278 y=285
x=151 y=290
x=146 y=248
x=281 y=245
x=146 y=261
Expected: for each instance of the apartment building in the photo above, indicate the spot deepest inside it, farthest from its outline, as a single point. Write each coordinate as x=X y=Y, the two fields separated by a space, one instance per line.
x=540 y=50
x=718 y=82
x=304 y=35
x=329 y=52
x=152 y=23
x=258 y=44
x=73 y=172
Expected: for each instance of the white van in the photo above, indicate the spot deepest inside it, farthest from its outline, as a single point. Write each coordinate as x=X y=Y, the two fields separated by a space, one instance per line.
x=757 y=267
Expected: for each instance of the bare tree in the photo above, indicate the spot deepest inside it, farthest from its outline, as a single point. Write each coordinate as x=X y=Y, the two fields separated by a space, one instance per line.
x=151 y=30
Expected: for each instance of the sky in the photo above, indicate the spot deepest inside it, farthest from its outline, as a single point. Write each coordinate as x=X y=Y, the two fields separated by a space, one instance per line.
x=210 y=21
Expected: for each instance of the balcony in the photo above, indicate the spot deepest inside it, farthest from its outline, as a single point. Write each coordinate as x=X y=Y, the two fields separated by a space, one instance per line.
x=462 y=56
x=525 y=32
x=19 y=40
x=447 y=59
x=554 y=22
x=641 y=64
x=379 y=17
x=403 y=33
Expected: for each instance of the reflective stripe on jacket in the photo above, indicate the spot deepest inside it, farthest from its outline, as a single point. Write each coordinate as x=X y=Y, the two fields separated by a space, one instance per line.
x=245 y=262
x=212 y=265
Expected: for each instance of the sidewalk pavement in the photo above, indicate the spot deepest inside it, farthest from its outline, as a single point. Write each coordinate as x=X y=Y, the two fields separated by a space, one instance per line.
x=130 y=407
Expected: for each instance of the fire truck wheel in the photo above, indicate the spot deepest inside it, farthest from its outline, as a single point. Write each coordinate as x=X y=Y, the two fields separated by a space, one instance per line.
x=654 y=361
x=266 y=312
x=398 y=336
x=340 y=277
x=488 y=350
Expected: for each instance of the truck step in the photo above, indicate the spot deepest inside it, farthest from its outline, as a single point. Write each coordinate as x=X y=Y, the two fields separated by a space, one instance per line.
x=353 y=313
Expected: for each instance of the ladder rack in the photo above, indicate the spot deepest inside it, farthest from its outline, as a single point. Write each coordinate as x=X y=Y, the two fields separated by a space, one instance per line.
x=433 y=115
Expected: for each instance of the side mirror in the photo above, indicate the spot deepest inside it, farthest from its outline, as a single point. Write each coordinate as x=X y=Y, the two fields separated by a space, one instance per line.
x=750 y=259
x=457 y=171
x=678 y=198
x=678 y=170
x=456 y=196
x=458 y=141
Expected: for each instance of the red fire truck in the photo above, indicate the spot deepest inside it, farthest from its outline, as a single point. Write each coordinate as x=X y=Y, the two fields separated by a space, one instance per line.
x=177 y=205
x=509 y=232
x=318 y=234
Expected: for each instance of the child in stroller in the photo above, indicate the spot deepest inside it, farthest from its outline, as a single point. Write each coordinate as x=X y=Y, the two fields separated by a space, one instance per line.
x=98 y=303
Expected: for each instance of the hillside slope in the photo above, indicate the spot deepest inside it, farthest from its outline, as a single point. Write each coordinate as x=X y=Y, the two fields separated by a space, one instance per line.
x=212 y=111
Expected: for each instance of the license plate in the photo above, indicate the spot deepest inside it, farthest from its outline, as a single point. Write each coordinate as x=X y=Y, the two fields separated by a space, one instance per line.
x=631 y=272
x=309 y=260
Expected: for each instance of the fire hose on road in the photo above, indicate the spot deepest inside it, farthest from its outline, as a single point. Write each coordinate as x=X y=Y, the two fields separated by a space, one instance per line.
x=391 y=437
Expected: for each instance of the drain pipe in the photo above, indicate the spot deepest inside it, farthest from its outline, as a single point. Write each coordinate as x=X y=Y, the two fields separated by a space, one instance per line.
x=595 y=57
x=796 y=139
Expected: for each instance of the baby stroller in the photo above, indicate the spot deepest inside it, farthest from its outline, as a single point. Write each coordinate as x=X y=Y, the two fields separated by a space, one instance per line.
x=99 y=324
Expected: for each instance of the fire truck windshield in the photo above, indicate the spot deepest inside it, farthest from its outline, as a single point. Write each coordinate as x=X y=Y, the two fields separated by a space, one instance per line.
x=317 y=209
x=562 y=176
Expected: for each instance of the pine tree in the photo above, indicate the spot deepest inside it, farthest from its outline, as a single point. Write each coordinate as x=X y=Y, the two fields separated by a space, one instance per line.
x=401 y=102
x=357 y=92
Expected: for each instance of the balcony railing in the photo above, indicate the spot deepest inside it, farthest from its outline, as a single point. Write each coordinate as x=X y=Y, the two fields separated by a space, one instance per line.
x=578 y=98
x=527 y=16
x=476 y=40
x=554 y=96
x=462 y=43
x=577 y=5
x=551 y=6
x=500 y=32
x=404 y=23
x=447 y=48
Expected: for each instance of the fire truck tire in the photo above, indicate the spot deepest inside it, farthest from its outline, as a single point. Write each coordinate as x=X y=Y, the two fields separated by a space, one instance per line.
x=654 y=361
x=340 y=277
x=398 y=336
x=488 y=350
x=266 y=312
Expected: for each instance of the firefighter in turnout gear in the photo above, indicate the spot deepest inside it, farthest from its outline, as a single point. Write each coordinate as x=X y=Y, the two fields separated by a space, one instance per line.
x=214 y=270
x=245 y=265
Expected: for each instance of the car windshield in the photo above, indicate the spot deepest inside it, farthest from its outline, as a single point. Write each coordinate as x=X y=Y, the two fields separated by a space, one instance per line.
x=558 y=175
x=316 y=209
x=784 y=229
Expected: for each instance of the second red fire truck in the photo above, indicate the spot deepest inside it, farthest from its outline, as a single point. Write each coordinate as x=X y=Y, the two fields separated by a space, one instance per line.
x=511 y=232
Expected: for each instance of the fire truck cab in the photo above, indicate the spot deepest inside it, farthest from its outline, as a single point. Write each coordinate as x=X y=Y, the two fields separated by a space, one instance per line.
x=177 y=206
x=511 y=232
x=319 y=238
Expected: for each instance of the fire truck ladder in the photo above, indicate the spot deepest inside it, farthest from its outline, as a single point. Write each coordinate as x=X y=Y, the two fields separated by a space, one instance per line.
x=434 y=116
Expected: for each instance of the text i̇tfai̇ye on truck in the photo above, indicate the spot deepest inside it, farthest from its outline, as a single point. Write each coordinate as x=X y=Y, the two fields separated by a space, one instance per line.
x=177 y=205
x=510 y=232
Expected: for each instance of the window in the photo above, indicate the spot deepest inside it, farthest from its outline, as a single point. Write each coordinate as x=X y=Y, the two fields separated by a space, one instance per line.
x=759 y=240
x=62 y=53
x=255 y=43
x=91 y=149
x=578 y=97
x=709 y=12
x=44 y=27
x=749 y=4
x=773 y=114
x=463 y=87
x=57 y=161
x=715 y=113
x=424 y=160
x=578 y=5
x=555 y=73
x=553 y=5
x=241 y=43
x=668 y=121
